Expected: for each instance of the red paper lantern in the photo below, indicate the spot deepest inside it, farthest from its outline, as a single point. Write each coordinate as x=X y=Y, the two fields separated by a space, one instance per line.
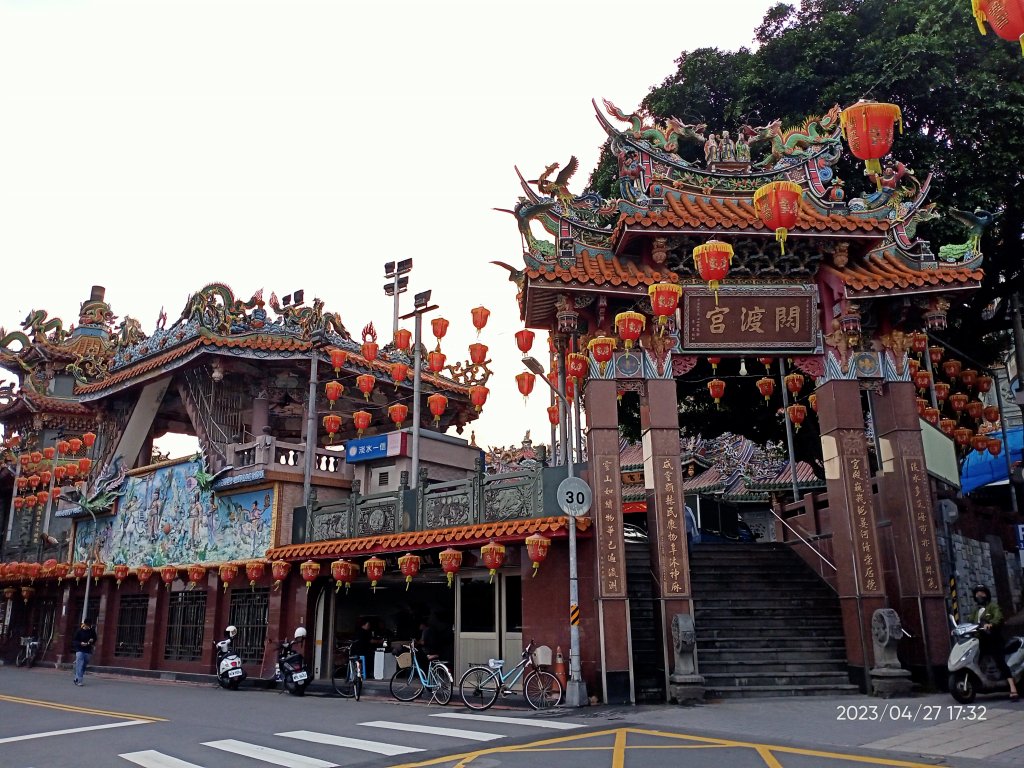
x=947 y=426
x=913 y=366
x=963 y=436
x=931 y=415
x=969 y=377
x=309 y=570
x=60 y=571
x=18 y=502
x=493 y=555
x=712 y=261
x=935 y=354
x=45 y=476
x=974 y=409
x=1006 y=17
x=794 y=383
x=227 y=573
x=120 y=573
x=979 y=443
x=921 y=405
x=88 y=439
x=365 y=384
x=922 y=380
x=71 y=470
x=31 y=570
x=797 y=414
x=777 y=204
x=97 y=570
x=436 y=360
x=343 y=572
x=37 y=456
x=59 y=471
x=403 y=339
x=664 y=301
x=333 y=390
x=451 y=561
x=918 y=343
x=84 y=465
x=990 y=413
x=254 y=570
x=196 y=573
x=984 y=383
x=525 y=382
x=995 y=446
x=941 y=392
x=478 y=396
x=716 y=388
x=332 y=423
x=361 y=420
x=143 y=573
x=399 y=373
x=766 y=387
x=440 y=327
x=78 y=570
x=370 y=350
x=49 y=451
x=63 y=447
x=629 y=326
x=537 y=547
x=958 y=402
x=398 y=413
x=952 y=368
x=22 y=484
x=767 y=363
x=374 y=569
x=553 y=415
x=524 y=340
x=338 y=359
x=27 y=592
x=34 y=481
x=30 y=501
x=279 y=569
x=43 y=497
x=602 y=349
x=478 y=353
x=74 y=445
x=480 y=315
x=437 y=403
x=409 y=565
x=576 y=366
x=867 y=127
x=10 y=592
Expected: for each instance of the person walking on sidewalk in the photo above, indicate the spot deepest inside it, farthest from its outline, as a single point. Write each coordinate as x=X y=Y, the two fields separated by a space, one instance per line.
x=83 y=644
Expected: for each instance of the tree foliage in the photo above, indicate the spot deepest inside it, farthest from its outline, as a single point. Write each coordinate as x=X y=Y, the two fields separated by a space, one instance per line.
x=962 y=98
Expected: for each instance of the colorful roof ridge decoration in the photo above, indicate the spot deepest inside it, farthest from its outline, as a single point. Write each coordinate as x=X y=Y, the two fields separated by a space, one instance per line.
x=459 y=536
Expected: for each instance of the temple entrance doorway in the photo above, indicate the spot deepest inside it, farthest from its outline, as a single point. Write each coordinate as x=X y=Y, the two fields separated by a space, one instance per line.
x=489 y=620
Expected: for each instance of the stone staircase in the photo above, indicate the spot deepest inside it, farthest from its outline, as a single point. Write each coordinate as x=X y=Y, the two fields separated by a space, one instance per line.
x=767 y=625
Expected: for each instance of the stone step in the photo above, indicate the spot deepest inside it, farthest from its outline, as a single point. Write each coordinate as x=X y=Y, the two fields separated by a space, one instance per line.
x=746 y=679
x=766 y=609
x=784 y=654
x=727 y=640
x=773 y=691
x=741 y=668
x=756 y=623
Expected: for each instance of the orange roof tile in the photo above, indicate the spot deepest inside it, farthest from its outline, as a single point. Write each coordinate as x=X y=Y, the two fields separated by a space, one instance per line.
x=463 y=535
x=889 y=273
x=591 y=268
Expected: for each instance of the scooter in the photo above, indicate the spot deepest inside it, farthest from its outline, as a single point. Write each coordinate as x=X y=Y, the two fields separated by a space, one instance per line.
x=230 y=673
x=970 y=673
x=291 y=666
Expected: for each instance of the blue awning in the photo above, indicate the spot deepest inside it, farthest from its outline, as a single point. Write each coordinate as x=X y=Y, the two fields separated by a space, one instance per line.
x=983 y=468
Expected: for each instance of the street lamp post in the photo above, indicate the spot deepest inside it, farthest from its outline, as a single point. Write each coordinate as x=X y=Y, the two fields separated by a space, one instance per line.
x=398 y=274
x=576 y=691
x=316 y=341
x=421 y=305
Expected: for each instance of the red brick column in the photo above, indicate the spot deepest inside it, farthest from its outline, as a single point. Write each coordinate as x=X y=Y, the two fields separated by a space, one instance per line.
x=852 y=516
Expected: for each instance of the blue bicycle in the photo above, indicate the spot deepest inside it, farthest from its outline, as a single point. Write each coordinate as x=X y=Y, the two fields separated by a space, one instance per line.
x=408 y=683
x=482 y=685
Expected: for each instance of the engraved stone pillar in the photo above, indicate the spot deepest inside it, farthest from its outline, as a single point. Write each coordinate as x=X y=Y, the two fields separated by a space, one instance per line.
x=609 y=545
x=852 y=516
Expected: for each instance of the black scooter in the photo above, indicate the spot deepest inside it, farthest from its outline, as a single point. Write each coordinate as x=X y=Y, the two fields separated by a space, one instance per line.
x=291 y=665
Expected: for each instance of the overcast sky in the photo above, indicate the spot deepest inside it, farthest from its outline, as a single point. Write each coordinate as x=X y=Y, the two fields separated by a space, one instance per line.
x=154 y=146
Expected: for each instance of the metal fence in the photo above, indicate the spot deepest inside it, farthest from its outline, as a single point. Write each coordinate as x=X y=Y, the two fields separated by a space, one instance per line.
x=131 y=626
x=186 y=619
x=248 y=612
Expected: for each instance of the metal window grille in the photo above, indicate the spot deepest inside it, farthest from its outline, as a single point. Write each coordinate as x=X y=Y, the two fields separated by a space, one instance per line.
x=186 y=619
x=248 y=612
x=131 y=626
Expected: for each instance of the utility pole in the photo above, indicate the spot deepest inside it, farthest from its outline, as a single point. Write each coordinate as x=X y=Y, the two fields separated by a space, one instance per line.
x=421 y=305
x=399 y=276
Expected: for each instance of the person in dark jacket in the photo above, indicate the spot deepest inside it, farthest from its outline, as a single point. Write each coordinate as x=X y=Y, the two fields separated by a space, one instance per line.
x=990 y=617
x=83 y=644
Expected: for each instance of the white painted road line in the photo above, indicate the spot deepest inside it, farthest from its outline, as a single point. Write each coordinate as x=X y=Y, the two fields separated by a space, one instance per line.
x=152 y=759
x=268 y=755
x=65 y=731
x=527 y=721
x=343 y=741
x=458 y=733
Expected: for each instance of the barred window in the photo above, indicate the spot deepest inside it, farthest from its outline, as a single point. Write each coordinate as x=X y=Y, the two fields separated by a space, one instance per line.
x=249 y=613
x=131 y=626
x=186 y=619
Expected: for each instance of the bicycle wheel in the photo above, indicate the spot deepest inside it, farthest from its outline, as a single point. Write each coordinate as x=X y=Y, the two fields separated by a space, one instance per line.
x=442 y=684
x=542 y=690
x=479 y=688
x=22 y=657
x=342 y=681
x=406 y=684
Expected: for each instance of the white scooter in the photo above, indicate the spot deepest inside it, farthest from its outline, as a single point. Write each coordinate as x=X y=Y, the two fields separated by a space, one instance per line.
x=230 y=672
x=970 y=673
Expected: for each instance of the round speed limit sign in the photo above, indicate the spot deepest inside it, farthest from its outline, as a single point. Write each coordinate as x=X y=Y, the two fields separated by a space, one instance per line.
x=574 y=497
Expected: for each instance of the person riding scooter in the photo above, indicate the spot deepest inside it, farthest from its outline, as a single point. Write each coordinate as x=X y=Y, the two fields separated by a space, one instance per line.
x=990 y=619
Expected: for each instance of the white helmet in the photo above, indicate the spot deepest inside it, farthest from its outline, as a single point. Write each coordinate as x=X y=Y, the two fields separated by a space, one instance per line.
x=231 y=630
x=300 y=633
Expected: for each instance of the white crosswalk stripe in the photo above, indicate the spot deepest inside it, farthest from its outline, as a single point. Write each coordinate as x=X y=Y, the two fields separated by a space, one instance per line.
x=528 y=721
x=268 y=755
x=344 y=741
x=457 y=733
x=150 y=758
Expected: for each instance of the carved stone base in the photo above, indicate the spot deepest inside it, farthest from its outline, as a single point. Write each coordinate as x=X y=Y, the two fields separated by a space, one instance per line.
x=887 y=683
x=686 y=689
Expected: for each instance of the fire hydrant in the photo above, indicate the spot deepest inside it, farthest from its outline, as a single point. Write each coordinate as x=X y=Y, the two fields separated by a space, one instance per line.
x=558 y=668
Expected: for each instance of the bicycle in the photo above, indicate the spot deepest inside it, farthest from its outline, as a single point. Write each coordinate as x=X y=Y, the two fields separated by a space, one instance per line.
x=481 y=685
x=408 y=683
x=29 y=652
x=347 y=677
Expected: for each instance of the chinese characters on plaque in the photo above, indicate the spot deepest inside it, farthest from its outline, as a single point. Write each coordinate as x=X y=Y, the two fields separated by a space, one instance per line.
x=611 y=565
x=864 y=547
x=671 y=528
x=923 y=529
x=780 y=318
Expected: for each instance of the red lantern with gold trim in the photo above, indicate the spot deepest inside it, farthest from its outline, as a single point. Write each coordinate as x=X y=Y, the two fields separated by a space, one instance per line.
x=227 y=573
x=990 y=413
x=664 y=301
x=629 y=326
x=338 y=359
x=766 y=387
x=18 y=502
x=309 y=570
x=478 y=396
x=74 y=445
x=361 y=420
x=553 y=415
x=921 y=405
x=254 y=570
x=797 y=415
x=867 y=127
x=84 y=465
x=958 y=402
x=794 y=383
x=537 y=547
x=60 y=571
x=931 y=415
x=941 y=392
x=27 y=592
x=343 y=572
x=97 y=570
x=409 y=565
x=168 y=573
x=439 y=327
x=919 y=343
x=480 y=315
x=716 y=388
x=962 y=436
x=478 y=353
x=374 y=570
x=974 y=409
x=812 y=400
x=332 y=423
x=31 y=570
x=438 y=404
x=576 y=366
x=398 y=413
x=1006 y=17
x=524 y=340
x=279 y=569
x=969 y=377
x=403 y=339
x=995 y=446
x=714 y=361
x=87 y=439
x=922 y=380
x=952 y=368
x=712 y=261
x=451 y=562
x=979 y=443
x=365 y=384
x=777 y=205
x=78 y=570
x=913 y=366
x=120 y=573
x=43 y=497
x=525 y=382
x=947 y=426
x=399 y=373
x=333 y=390
x=493 y=556
x=436 y=360
x=196 y=574
x=602 y=348
x=984 y=384
x=369 y=350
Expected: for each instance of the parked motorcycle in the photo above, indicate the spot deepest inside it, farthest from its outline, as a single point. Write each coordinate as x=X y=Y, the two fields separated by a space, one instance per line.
x=291 y=665
x=230 y=673
x=970 y=673
x=29 y=652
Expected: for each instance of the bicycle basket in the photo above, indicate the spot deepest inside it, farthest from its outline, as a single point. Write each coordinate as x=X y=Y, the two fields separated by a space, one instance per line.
x=404 y=660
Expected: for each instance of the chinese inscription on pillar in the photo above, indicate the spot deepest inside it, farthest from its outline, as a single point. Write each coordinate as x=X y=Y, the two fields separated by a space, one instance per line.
x=611 y=561
x=865 y=548
x=919 y=495
x=672 y=565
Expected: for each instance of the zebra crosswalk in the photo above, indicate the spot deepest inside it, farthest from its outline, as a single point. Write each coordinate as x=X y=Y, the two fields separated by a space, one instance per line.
x=354 y=747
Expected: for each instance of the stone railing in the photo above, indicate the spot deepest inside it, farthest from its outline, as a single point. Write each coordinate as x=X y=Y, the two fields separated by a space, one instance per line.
x=267 y=452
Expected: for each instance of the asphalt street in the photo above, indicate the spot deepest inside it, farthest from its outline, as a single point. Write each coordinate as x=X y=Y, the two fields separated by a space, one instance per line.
x=46 y=722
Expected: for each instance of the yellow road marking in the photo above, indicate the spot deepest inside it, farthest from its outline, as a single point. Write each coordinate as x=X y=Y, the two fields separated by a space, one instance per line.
x=619 y=751
x=81 y=710
x=769 y=759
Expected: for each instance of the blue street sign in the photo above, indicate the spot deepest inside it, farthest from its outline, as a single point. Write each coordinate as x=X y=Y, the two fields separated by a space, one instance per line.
x=376 y=447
